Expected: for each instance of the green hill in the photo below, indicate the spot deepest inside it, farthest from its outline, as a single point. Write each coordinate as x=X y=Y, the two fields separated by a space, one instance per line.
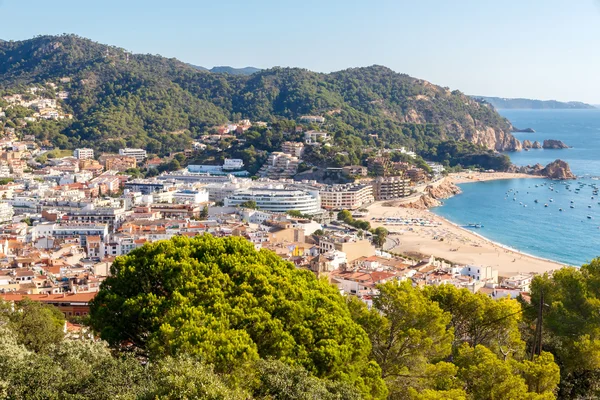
x=119 y=99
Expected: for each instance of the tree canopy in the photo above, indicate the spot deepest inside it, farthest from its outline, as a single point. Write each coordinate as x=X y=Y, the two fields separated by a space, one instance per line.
x=226 y=303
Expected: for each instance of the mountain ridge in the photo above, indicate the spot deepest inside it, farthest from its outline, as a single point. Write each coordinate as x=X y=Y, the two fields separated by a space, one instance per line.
x=122 y=99
x=522 y=103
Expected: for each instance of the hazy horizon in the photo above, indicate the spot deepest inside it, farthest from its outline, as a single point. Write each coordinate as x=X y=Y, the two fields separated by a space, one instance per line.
x=539 y=50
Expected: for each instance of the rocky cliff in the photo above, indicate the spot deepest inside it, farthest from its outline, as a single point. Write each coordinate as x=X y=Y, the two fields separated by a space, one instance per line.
x=557 y=169
x=528 y=145
x=554 y=144
x=432 y=196
x=495 y=139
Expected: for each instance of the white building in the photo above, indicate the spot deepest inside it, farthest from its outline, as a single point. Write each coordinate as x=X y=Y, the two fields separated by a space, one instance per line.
x=346 y=197
x=521 y=282
x=315 y=137
x=312 y=119
x=233 y=164
x=481 y=274
x=139 y=154
x=278 y=200
x=83 y=154
x=191 y=196
x=6 y=212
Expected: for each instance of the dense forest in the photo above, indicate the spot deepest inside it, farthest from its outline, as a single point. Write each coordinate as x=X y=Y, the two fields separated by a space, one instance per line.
x=120 y=99
x=213 y=318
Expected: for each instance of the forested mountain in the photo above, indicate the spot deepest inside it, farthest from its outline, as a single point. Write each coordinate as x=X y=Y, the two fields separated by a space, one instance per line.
x=119 y=99
x=503 y=103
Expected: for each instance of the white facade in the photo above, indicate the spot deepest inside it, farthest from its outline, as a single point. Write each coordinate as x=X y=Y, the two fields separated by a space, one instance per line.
x=191 y=196
x=232 y=164
x=83 y=154
x=139 y=154
x=278 y=200
x=313 y=137
x=6 y=212
x=482 y=274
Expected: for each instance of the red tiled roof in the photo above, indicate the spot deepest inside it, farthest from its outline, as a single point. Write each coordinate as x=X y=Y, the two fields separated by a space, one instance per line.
x=51 y=298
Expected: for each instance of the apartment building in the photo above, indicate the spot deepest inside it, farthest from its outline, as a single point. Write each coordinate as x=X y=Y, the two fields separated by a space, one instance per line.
x=346 y=197
x=295 y=149
x=83 y=154
x=279 y=165
x=139 y=154
x=390 y=188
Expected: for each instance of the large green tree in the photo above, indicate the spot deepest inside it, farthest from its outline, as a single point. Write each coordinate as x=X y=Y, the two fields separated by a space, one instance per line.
x=407 y=331
x=226 y=303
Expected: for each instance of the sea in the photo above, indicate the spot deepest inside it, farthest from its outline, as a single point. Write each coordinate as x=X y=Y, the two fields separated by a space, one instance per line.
x=507 y=209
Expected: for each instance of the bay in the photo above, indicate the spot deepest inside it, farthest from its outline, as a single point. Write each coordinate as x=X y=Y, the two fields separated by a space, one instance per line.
x=507 y=208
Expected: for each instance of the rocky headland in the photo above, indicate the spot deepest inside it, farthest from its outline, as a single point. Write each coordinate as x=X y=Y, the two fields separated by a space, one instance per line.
x=558 y=170
x=554 y=144
x=526 y=130
x=527 y=144
x=433 y=195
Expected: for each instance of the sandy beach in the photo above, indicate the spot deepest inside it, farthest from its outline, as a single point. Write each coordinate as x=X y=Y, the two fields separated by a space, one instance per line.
x=441 y=238
x=465 y=177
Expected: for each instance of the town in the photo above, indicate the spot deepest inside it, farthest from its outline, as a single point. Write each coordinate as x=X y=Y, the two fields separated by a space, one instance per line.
x=66 y=215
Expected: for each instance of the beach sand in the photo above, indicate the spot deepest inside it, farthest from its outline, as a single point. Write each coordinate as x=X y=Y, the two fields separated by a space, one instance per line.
x=454 y=243
x=465 y=177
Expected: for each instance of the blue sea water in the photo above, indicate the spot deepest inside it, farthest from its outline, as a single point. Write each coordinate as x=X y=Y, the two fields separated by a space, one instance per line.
x=567 y=236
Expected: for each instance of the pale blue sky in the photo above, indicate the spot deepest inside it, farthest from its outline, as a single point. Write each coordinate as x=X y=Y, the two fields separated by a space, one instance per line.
x=546 y=49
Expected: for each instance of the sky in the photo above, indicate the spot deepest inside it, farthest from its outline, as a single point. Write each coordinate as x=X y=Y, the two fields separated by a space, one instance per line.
x=542 y=49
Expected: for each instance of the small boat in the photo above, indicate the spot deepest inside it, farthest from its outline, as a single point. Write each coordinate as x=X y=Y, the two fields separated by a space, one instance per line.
x=589 y=206
x=560 y=209
x=536 y=201
x=572 y=202
x=545 y=205
x=572 y=206
x=551 y=200
x=589 y=217
x=475 y=226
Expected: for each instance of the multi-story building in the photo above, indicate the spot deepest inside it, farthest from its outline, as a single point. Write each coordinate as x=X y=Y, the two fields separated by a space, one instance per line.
x=118 y=163
x=6 y=212
x=83 y=154
x=188 y=196
x=90 y=214
x=279 y=165
x=148 y=186
x=79 y=231
x=295 y=149
x=139 y=154
x=233 y=164
x=416 y=174
x=389 y=188
x=278 y=200
x=357 y=170
x=315 y=137
x=351 y=245
x=346 y=197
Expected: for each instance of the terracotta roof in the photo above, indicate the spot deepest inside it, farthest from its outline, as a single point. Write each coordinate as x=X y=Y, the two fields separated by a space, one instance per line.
x=50 y=298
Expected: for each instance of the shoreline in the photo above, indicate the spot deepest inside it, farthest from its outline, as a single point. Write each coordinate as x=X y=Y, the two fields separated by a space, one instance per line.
x=473 y=177
x=446 y=239
x=503 y=246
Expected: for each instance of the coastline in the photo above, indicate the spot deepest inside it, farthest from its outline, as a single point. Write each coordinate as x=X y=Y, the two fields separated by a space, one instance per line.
x=445 y=239
x=471 y=177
